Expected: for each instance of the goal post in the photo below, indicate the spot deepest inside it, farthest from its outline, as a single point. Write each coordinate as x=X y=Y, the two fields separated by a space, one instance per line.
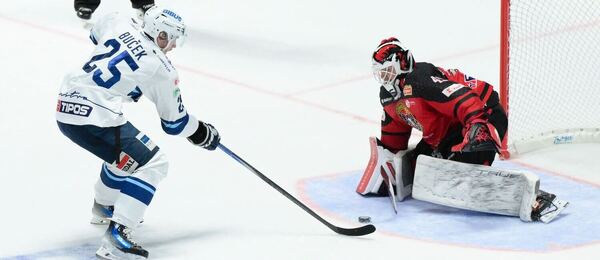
x=550 y=73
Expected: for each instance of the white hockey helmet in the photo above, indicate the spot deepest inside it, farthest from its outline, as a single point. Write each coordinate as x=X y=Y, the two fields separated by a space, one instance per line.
x=389 y=62
x=164 y=25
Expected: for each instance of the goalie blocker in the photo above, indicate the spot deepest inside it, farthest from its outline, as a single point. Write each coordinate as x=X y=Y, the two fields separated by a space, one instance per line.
x=459 y=185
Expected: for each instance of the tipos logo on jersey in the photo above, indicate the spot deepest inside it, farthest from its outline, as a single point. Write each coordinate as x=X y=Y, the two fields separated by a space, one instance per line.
x=73 y=108
x=404 y=113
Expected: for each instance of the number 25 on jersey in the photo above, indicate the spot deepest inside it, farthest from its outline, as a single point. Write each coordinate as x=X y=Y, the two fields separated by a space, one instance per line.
x=114 y=46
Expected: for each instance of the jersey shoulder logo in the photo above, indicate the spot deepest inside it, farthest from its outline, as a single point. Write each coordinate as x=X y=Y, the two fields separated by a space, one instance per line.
x=470 y=81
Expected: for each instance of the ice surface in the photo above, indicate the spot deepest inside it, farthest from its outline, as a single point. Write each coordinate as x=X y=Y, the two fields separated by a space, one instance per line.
x=288 y=85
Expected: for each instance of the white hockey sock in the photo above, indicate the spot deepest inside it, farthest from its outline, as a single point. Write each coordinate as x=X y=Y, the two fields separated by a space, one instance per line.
x=108 y=186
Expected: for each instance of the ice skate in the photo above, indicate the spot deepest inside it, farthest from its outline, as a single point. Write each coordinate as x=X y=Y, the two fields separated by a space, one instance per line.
x=547 y=207
x=101 y=214
x=117 y=244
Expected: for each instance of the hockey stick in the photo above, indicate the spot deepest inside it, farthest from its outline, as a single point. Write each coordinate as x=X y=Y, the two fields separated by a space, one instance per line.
x=387 y=179
x=359 y=231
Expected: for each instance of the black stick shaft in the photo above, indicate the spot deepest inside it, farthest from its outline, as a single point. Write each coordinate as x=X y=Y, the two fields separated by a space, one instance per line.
x=351 y=232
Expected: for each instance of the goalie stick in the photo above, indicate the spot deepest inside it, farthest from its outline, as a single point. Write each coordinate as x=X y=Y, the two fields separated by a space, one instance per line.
x=388 y=180
x=359 y=231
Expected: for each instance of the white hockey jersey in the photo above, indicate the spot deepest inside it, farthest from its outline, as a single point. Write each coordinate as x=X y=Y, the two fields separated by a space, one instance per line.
x=125 y=65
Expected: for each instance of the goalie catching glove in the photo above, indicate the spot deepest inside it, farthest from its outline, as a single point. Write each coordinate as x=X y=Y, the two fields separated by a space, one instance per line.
x=206 y=136
x=479 y=136
x=386 y=173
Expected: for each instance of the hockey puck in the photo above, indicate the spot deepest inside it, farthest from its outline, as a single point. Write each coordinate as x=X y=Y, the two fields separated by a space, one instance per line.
x=364 y=219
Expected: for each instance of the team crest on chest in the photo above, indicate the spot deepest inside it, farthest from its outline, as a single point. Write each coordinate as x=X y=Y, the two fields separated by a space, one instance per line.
x=404 y=113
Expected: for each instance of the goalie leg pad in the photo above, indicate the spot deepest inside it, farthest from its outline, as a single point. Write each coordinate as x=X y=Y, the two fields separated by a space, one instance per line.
x=370 y=183
x=387 y=173
x=475 y=187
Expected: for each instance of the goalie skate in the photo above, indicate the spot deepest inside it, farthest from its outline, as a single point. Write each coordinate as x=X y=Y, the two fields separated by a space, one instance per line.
x=548 y=207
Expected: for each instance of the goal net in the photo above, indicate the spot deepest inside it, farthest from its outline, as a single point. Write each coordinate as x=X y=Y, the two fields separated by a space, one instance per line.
x=550 y=72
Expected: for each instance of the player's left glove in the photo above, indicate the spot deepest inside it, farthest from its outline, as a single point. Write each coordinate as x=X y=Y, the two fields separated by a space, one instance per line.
x=206 y=136
x=479 y=136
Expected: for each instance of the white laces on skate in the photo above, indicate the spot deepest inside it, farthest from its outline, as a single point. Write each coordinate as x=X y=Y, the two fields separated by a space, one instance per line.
x=128 y=234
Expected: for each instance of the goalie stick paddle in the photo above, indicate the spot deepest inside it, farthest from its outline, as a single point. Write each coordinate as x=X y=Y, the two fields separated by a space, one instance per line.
x=359 y=231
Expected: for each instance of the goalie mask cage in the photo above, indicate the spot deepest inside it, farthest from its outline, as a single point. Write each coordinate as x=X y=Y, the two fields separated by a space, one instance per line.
x=550 y=73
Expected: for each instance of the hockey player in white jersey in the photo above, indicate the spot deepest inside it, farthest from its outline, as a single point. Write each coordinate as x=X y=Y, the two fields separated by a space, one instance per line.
x=127 y=63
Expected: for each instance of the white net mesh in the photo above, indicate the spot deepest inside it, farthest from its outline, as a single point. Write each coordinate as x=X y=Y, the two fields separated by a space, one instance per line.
x=554 y=73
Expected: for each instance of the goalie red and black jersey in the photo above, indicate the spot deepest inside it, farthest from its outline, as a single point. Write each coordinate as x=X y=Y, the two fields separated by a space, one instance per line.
x=433 y=100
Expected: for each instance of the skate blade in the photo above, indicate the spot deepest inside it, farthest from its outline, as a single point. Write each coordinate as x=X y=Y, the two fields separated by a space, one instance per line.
x=554 y=211
x=108 y=251
x=103 y=221
x=99 y=220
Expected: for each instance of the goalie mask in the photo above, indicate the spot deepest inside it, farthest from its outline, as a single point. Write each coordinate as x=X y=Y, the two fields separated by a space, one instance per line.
x=390 y=62
x=165 y=27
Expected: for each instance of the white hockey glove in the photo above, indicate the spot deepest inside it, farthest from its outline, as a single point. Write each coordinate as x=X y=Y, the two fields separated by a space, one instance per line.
x=206 y=136
x=386 y=174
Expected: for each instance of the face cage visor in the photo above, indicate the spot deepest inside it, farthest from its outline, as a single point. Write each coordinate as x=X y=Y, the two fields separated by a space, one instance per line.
x=173 y=40
x=385 y=73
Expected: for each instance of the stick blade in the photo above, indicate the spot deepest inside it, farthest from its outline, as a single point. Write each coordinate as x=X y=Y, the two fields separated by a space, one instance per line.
x=359 y=231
